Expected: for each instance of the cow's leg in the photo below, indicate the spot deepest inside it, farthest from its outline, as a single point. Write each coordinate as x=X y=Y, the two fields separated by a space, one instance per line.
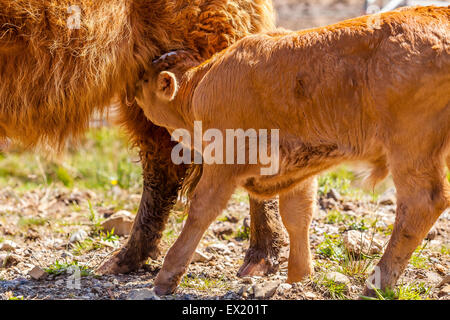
x=162 y=180
x=266 y=239
x=296 y=210
x=207 y=202
x=423 y=194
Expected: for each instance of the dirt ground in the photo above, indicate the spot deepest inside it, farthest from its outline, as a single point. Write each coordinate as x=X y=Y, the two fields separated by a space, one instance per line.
x=57 y=229
x=42 y=222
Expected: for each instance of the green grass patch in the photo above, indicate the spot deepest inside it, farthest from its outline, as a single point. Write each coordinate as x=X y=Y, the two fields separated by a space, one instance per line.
x=412 y=291
x=58 y=268
x=203 y=283
x=102 y=161
x=31 y=221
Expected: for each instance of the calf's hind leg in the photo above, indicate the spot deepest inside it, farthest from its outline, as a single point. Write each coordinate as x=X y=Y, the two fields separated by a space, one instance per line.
x=423 y=194
x=207 y=202
x=296 y=210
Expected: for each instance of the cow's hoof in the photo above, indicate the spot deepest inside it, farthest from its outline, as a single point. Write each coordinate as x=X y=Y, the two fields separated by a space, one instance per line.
x=262 y=267
x=116 y=264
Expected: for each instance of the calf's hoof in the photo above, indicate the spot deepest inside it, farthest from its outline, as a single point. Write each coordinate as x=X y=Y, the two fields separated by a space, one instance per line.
x=166 y=283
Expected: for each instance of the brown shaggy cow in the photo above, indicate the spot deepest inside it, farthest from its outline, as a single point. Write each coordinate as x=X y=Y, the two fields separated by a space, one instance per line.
x=347 y=92
x=53 y=78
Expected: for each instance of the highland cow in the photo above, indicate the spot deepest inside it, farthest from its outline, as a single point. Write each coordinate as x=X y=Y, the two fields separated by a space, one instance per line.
x=56 y=72
x=342 y=93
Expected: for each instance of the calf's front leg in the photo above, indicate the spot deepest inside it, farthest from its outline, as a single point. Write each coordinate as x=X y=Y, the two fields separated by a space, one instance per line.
x=209 y=199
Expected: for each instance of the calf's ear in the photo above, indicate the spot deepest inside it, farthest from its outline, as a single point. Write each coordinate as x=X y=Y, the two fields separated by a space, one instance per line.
x=167 y=86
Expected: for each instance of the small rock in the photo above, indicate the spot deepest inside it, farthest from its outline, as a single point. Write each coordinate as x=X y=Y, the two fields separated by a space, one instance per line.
x=247 y=280
x=284 y=287
x=243 y=291
x=327 y=203
x=348 y=206
x=445 y=291
x=439 y=267
x=246 y=222
x=9 y=260
x=37 y=273
x=200 y=257
x=121 y=222
x=356 y=242
x=78 y=236
x=432 y=277
x=218 y=248
x=310 y=295
x=388 y=197
x=66 y=255
x=445 y=280
x=142 y=294
x=223 y=230
x=334 y=194
x=8 y=245
x=97 y=290
x=59 y=283
x=432 y=234
x=265 y=290
x=338 y=277
x=232 y=218
x=108 y=285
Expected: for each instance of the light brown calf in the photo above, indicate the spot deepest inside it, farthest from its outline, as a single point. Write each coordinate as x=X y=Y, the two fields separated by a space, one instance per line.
x=346 y=92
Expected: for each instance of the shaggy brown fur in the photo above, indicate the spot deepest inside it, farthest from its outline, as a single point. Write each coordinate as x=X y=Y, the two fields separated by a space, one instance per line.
x=346 y=92
x=52 y=79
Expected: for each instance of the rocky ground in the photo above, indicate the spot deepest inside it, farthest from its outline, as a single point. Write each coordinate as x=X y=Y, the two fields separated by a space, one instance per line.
x=49 y=234
x=53 y=237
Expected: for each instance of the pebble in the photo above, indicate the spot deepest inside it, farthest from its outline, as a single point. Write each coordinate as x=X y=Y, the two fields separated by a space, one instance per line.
x=218 y=248
x=348 y=206
x=246 y=222
x=223 y=230
x=284 y=287
x=37 y=273
x=357 y=242
x=8 y=245
x=265 y=290
x=338 y=277
x=388 y=197
x=247 y=280
x=243 y=291
x=445 y=280
x=333 y=194
x=143 y=294
x=310 y=295
x=432 y=234
x=121 y=222
x=445 y=291
x=59 y=283
x=8 y=260
x=200 y=257
x=78 y=236
x=433 y=277
x=439 y=267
